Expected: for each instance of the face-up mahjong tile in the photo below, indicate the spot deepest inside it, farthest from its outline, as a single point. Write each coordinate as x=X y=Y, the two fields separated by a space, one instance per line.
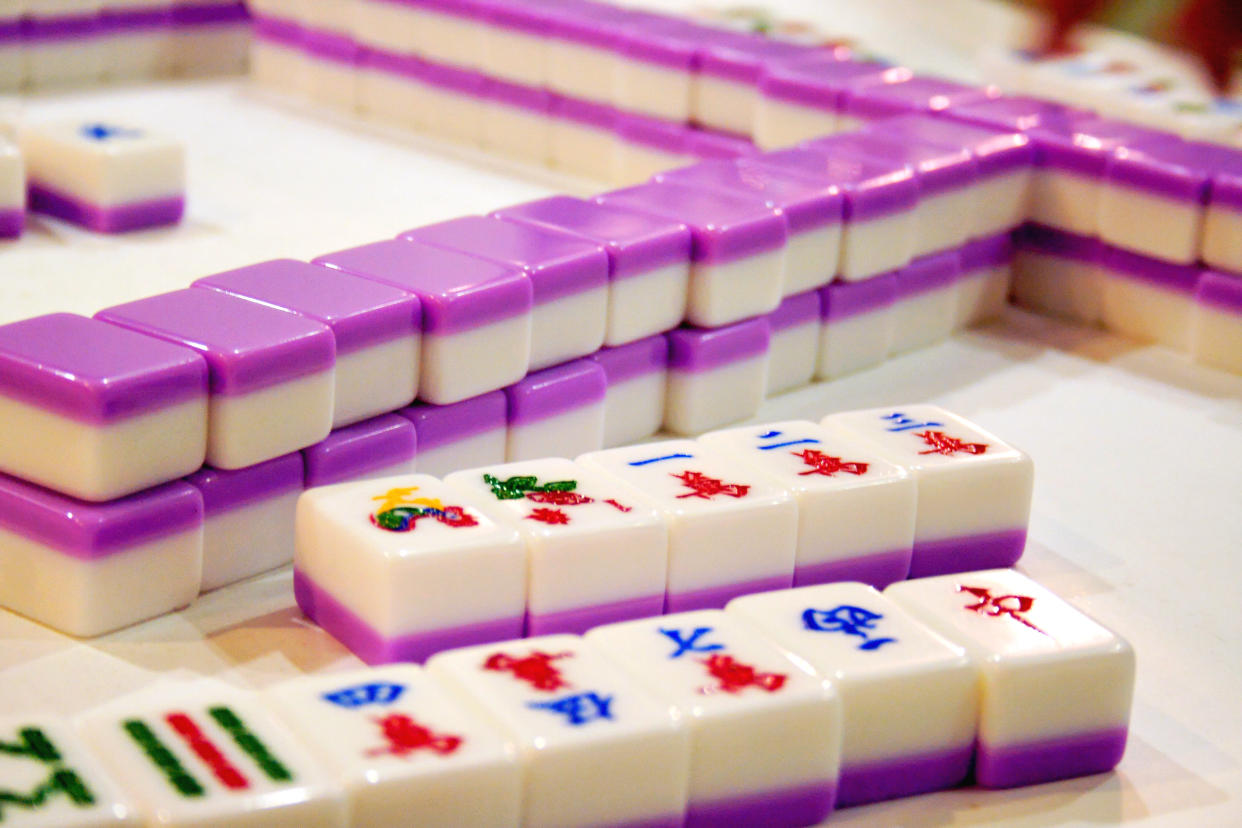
x=108 y=175
x=855 y=509
x=910 y=697
x=404 y=749
x=402 y=567
x=765 y=731
x=731 y=529
x=204 y=754
x=597 y=747
x=596 y=555
x=1057 y=685
x=974 y=491
x=48 y=779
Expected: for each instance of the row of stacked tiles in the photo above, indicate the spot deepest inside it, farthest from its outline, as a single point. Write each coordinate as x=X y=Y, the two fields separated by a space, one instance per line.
x=102 y=176
x=466 y=306
x=87 y=569
x=402 y=568
x=595 y=56
x=58 y=42
x=619 y=140
x=1179 y=306
x=1137 y=188
x=593 y=141
x=769 y=713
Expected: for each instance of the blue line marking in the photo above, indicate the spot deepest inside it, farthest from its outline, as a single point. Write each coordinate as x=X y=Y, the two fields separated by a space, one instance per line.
x=790 y=443
x=677 y=456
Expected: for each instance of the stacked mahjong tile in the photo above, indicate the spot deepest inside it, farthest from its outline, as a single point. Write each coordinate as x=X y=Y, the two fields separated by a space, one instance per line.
x=771 y=712
x=1131 y=228
x=46 y=43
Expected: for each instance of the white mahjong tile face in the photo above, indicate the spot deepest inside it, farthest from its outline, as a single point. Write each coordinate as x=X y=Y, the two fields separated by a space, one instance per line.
x=598 y=748
x=1003 y=613
x=846 y=631
x=589 y=541
x=708 y=663
x=687 y=478
x=48 y=779
x=730 y=527
x=554 y=691
x=104 y=137
x=805 y=456
x=402 y=517
x=1028 y=640
x=387 y=723
x=735 y=687
x=403 y=747
x=554 y=497
x=201 y=754
x=905 y=690
x=409 y=553
x=924 y=437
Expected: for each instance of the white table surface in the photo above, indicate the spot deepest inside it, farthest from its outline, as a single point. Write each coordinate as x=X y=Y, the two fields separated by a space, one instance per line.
x=1138 y=499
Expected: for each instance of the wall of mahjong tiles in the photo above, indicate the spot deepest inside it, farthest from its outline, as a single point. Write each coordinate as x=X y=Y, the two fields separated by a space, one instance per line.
x=1135 y=516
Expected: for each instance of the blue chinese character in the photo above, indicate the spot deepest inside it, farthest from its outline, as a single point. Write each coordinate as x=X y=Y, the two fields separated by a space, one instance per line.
x=774 y=435
x=648 y=462
x=904 y=423
x=690 y=644
x=106 y=132
x=578 y=709
x=849 y=620
x=363 y=695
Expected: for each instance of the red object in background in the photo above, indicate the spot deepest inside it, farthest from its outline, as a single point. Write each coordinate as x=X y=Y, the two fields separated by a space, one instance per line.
x=1211 y=29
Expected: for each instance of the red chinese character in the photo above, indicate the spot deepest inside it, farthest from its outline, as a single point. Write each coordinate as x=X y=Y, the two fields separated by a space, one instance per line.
x=536 y=669
x=821 y=463
x=559 y=498
x=734 y=677
x=405 y=736
x=552 y=517
x=942 y=444
x=620 y=508
x=999 y=605
x=708 y=487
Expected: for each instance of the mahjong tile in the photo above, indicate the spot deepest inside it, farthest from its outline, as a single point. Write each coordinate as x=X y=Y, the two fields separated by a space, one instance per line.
x=910 y=698
x=598 y=749
x=51 y=780
x=376 y=328
x=1057 y=686
x=98 y=412
x=731 y=530
x=595 y=555
x=400 y=568
x=856 y=511
x=107 y=176
x=205 y=754
x=765 y=731
x=259 y=360
x=974 y=491
x=404 y=750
